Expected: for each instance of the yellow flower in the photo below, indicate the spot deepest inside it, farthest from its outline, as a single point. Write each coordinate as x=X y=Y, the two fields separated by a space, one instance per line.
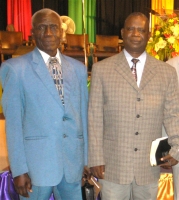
x=171 y=39
x=175 y=30
x=176 y=46
x=160 y=44
x=171 y=20
x=150 y=40
x=157 y=57
x=157 y=33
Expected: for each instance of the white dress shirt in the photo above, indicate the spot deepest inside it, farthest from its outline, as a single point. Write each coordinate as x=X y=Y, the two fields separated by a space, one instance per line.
x=45 y=56
x=139 y=66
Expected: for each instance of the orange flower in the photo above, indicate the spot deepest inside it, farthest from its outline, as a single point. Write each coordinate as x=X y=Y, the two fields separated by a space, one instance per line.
x=154 y=53
x=166 y=35
x=174 y=54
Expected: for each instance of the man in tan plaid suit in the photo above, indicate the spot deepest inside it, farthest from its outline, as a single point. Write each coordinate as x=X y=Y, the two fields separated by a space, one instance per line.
x=125 y=116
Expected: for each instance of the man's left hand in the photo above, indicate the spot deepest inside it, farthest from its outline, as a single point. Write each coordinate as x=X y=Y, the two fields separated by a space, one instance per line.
x=86 y=173
x=169 y=162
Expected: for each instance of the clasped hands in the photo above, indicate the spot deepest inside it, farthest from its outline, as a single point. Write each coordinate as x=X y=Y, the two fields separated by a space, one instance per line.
x=97 y=171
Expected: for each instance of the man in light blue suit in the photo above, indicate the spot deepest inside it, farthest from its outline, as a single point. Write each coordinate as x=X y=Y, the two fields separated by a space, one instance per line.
x=46 y=135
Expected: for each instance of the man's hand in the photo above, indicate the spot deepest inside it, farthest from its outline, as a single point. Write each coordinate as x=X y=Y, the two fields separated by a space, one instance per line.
x=98 y=171
x=86 y=173
x=23 y=185
x=169 y=162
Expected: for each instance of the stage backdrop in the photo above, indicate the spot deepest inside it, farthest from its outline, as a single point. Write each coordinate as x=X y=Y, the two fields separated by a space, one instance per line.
x=110 y=14
x=107 y=15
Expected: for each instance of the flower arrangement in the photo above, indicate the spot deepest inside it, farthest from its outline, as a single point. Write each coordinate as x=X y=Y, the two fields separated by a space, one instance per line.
x=164 y=43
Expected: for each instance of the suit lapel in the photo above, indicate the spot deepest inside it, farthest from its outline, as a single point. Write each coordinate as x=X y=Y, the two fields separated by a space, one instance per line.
x=122 y=67
x=41 y=70
x=149 y=72
x=69 y=79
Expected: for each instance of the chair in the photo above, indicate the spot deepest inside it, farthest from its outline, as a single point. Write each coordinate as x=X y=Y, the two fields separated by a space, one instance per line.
x=21 y=50
x=105 y=46
x=76 y=46
x=10 y=27
x=9 y=42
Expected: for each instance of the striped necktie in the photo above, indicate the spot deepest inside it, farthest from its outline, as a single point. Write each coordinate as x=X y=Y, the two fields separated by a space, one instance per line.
x=56 y=73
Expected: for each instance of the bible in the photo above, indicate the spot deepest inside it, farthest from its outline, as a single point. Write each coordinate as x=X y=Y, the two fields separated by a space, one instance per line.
x=159 y=149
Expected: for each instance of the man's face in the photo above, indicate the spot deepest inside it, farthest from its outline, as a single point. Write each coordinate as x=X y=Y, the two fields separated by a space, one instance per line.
x=135 y=35
x=47 y=32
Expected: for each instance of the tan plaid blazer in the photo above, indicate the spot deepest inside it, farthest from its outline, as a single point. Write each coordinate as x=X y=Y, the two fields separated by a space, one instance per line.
x=124 y=119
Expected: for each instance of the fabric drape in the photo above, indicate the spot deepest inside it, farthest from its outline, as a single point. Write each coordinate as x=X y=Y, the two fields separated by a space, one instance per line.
x=165 y=188
x=19 y=14
x=90 y=18
x=60 y=6
x=112 y=13
x=3 y=15
x=75 y=11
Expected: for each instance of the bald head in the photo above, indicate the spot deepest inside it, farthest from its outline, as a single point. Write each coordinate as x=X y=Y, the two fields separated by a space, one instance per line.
x=137 y=14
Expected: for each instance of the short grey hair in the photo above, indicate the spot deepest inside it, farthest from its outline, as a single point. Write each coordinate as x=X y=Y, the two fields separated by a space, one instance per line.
x=44 y=11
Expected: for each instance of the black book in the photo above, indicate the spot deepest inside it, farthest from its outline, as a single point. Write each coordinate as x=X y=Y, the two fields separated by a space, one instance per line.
x=159 y=149
x=87 y=191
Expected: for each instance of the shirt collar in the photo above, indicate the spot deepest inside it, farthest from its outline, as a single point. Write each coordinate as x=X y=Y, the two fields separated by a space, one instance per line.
x=142 y=57
x=45 y=56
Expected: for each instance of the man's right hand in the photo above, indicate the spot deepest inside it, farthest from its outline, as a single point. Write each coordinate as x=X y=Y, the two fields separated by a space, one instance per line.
x=23 y=185
x=98 y=171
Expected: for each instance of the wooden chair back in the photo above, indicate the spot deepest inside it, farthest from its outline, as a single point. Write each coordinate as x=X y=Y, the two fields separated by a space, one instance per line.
x=76 y=42
x=105 y=46
x=9 y=42
x=77 y=46
x=107 y=43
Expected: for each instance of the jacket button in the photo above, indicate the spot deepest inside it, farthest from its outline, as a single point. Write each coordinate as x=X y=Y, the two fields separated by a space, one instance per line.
x=135 y=149
x=138 y=99
x=138 y=116
x=137 y=133
x=64 y=135
x=64 y=118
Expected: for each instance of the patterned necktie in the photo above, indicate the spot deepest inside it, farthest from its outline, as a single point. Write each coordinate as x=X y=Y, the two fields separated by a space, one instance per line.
x=133 y=69
x=56 y=73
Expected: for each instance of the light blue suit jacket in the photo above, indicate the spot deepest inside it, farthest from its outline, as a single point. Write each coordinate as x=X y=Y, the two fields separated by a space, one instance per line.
x=45 y=138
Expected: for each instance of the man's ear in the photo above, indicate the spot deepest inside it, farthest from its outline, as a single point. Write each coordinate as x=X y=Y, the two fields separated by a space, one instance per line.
x=122 y=31
x=32 y=33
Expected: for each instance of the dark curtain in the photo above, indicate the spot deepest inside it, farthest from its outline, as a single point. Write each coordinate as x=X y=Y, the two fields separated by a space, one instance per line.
x=60 y=6
x=3 y=15
x=110 y=14
x=176 y=4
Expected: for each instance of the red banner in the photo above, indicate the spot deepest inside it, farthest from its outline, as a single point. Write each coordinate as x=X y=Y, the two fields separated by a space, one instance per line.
x=19 y=14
